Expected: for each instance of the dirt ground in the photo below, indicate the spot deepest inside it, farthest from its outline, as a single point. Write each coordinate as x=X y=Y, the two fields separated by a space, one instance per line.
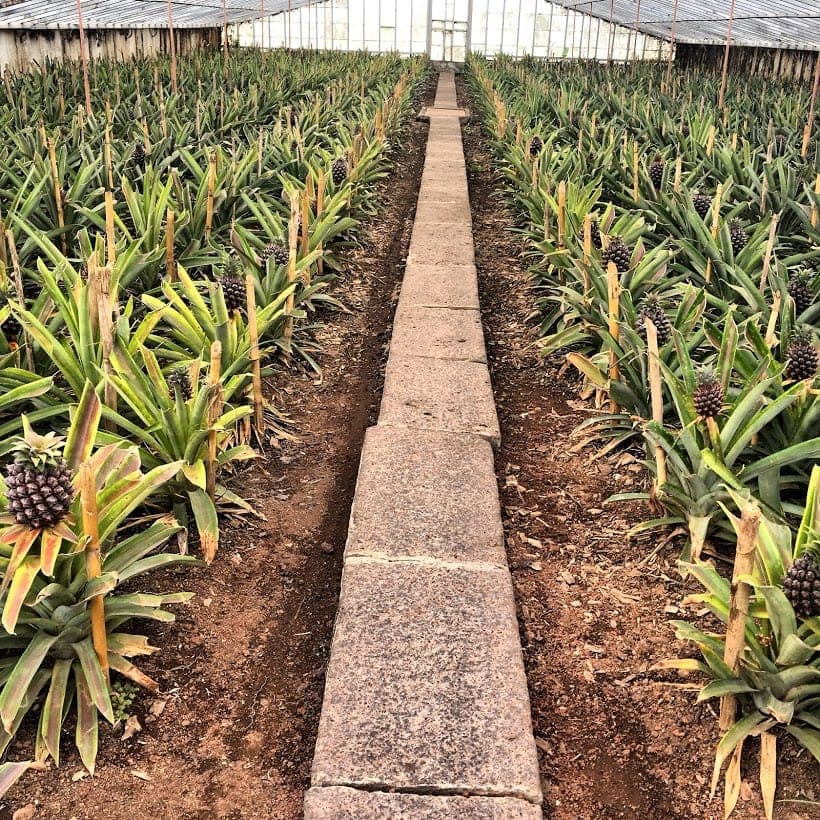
x=615 y=740
x=242 y=669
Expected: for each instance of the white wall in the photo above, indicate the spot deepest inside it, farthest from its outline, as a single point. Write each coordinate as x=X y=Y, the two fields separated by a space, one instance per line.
x=516 y=27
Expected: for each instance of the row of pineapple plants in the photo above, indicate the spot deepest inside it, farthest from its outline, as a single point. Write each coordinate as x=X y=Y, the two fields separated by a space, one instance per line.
x=674 y=250
x=159 y=256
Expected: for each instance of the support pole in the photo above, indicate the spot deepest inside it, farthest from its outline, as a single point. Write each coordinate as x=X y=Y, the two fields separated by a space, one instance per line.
x=84 y=56
x=611 y=39
x=173 y=47
x=637 y=30
x=672 y=45
x=726 y=55
x=225 y=34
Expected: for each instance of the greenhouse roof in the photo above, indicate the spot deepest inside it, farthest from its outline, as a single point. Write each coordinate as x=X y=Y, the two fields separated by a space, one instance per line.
x=764 y=23
x=102 y=14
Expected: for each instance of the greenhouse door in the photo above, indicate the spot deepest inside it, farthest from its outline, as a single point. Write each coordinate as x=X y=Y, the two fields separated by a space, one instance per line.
x=448 y=30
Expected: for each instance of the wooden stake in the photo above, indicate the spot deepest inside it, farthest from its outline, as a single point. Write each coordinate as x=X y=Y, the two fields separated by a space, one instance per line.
x=305 y=198
x=107 y=145
x=656 y=392
x=774 y=315
x=635 y=171
x=109 y=227
x=562 y=211
x=209 y=212
x=84 y=58
x=170 y=264
x=725 y=73
x=293 y=231
x=93 y=564
x=214 y=412
x=678 y=174
x=587 y=250
x=320 y=207
x=614 y=291
x=254 y=355
x=739 y=604
x=810 y=120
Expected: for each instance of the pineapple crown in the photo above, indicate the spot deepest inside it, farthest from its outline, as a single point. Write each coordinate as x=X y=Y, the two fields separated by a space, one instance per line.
x=801 y=335
x=706 y=377
x=231 y=268
x=36 y=450
x=801 y=276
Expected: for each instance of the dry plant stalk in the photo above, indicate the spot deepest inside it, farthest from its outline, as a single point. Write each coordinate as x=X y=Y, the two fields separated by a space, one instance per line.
x=58 y=191
x=255 y=357
x=209 y=212
x=293 y=231
x=614 y=291
x=170 y=264
x=562 y=212
x=656 y=392
x=214 y=412
x=739 y=604
x=111 y=244
x=93 y=564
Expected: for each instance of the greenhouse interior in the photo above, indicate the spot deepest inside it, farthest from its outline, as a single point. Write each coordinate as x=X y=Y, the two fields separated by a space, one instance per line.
x=410 y=410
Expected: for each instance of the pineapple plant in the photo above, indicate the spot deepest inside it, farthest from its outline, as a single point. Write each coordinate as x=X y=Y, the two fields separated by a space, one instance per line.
x=800 y=289
x=339 y=171
x=801 y=584
x=616 y=251
x=702 y=203
x=535 y=146
x=656 y=173
x=179 y=383
x=652 y=310
x=802 y=358
x=39 y=484
x=708 y=395
x=738 y=236
x=278 y=252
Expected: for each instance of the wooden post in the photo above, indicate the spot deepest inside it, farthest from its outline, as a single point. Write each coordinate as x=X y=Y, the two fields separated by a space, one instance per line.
x=671 y=46
x=725 y=73
x=614 y=291
x=656 y=392
x=93 y=564
x=173 y=47
x=214 y=412
x=170 y=264
x=84 y=57
x=739 y=604
x=254 y=355
x=810 y=120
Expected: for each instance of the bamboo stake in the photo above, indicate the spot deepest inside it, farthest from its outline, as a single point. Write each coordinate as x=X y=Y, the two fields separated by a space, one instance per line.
x=254 y=355
x=739 y=604
x=173 y=47
x=58 y=192
x=810 y=119
x=725 y=73
x=84 y=58
x=614 y=291
x=170 y=264
x=656 y=393
x=209 y=212
x=214 y=412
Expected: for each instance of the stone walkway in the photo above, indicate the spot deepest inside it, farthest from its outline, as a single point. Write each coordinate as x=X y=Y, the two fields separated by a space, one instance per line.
x=426 y=712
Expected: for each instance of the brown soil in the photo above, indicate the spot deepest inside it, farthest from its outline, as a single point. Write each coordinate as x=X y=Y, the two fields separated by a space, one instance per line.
x=242 y=669
x=615 y=739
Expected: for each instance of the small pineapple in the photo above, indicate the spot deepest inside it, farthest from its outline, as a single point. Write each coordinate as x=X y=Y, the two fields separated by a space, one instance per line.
x=339 y=171
x=702 y=203
x=801 y=585
x=802 y=358
x=652 y=310
x=38 y=482
x=278 y=252
x=738 y=236
x=656 y=173
x=179 y=382
x=800 y=290
x=233 y=287
x=708 y=395
x=684 y=129
x=616 y=251
x=536 y=144
x=10 y=326
x=139 y=156
x=595 y=233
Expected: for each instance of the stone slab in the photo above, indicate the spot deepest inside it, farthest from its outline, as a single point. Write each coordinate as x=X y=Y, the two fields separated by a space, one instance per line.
x=439 y=394
x=340 y=803
x=437 y=243
x=424 y=494
x=440 y=191
x=439 y=286
x=425 y=687
x=454 y=211
x=440 y=333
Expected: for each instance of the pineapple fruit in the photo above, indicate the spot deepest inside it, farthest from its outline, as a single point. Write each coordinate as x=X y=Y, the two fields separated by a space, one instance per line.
x=801 y=585
x=708 y=395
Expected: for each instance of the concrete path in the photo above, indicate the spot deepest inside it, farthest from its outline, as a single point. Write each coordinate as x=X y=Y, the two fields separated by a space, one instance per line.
x=426 y=712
